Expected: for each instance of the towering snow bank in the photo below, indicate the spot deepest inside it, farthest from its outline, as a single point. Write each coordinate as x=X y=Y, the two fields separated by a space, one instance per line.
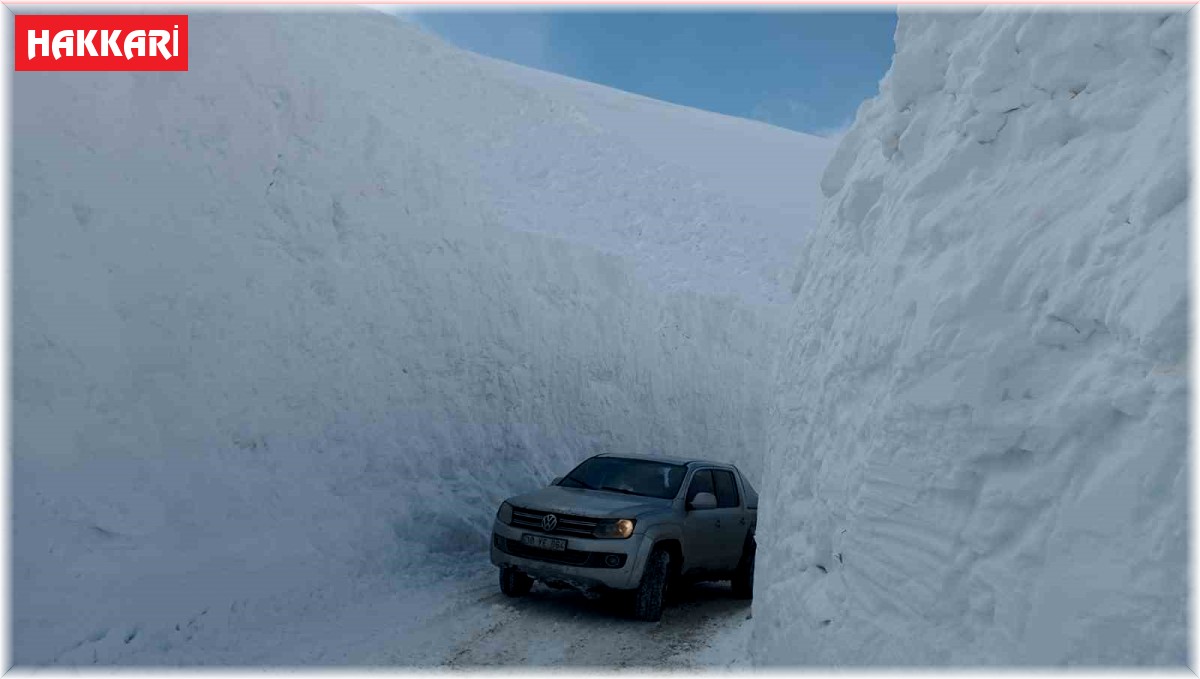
x=276 y=323
x=977 y=444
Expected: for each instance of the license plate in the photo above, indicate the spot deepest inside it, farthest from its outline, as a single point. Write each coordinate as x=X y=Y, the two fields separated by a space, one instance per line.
x=552 y=544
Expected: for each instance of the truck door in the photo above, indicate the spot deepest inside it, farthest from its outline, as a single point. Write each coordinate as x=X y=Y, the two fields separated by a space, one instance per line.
x=730 y=524
x=700 y=527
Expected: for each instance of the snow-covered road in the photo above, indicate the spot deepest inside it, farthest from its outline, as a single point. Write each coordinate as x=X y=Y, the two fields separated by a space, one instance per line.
x=445 y=613
x=480 y=627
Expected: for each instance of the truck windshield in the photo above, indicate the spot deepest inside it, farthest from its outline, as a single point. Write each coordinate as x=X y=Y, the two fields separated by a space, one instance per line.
x=632 y=477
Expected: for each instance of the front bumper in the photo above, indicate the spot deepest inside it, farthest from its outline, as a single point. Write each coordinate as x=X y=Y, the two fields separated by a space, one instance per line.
x=593 y=574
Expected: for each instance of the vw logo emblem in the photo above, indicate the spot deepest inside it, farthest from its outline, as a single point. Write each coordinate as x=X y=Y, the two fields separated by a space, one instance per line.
x=549 y=523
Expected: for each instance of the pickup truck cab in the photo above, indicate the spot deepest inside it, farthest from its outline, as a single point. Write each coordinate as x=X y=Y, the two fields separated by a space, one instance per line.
x=630 y=522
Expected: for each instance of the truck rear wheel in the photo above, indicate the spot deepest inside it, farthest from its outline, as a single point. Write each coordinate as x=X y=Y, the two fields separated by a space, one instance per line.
x=513 y=582
x=743 y=577
x=650 y=595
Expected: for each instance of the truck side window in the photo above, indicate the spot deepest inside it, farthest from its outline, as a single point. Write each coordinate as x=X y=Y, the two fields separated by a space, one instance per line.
x=727 y=494
x=701 y=483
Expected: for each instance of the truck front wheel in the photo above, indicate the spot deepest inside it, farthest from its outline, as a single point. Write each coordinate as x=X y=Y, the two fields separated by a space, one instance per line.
x=649 y=596
x=513 y=582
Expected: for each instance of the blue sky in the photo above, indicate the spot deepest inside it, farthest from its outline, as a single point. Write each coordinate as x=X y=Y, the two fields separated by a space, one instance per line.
x=801 y=69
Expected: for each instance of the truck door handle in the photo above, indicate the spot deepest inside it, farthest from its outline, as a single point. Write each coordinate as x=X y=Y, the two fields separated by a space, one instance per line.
x=742 y=520
x=718 y=523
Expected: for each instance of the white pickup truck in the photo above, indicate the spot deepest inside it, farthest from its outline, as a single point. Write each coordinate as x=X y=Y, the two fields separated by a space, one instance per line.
x=628 y=522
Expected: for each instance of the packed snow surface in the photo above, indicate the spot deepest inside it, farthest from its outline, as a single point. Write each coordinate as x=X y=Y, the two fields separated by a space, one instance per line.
x=978 y=432
x=288 y=326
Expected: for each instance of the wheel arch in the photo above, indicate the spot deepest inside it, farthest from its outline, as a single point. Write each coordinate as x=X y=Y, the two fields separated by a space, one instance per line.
x=675 y=548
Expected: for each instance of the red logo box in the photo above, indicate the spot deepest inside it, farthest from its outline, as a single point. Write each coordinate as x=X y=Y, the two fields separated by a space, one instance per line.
x=101 y=42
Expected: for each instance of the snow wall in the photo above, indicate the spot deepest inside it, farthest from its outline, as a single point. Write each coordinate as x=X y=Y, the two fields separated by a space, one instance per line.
x=977 y=444
x=274 y=325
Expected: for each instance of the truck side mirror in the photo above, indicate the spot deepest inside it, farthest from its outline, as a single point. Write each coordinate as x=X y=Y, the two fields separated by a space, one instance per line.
x=556 y=480
x=703 y=501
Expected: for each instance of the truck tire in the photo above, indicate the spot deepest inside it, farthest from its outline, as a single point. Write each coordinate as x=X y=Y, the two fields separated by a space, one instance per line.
x=513 y=582
x=743 y=577
x=651 y=592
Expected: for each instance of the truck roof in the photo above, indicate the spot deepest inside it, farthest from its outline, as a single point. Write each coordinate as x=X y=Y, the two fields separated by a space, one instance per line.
x=670 y=460
x=751 y=494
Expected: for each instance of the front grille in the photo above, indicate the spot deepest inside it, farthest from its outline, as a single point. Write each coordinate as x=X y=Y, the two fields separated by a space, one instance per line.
x=531 y=519
x=570 y=557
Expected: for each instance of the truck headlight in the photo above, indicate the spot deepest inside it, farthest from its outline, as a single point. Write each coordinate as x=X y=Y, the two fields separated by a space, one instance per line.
x=620 y=528
x=504 y=514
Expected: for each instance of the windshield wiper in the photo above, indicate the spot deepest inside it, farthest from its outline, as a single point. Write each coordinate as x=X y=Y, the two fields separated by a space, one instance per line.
x=618 y=490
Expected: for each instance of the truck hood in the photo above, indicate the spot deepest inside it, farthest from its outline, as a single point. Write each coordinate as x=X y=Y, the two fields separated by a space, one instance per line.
x=600 y=504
